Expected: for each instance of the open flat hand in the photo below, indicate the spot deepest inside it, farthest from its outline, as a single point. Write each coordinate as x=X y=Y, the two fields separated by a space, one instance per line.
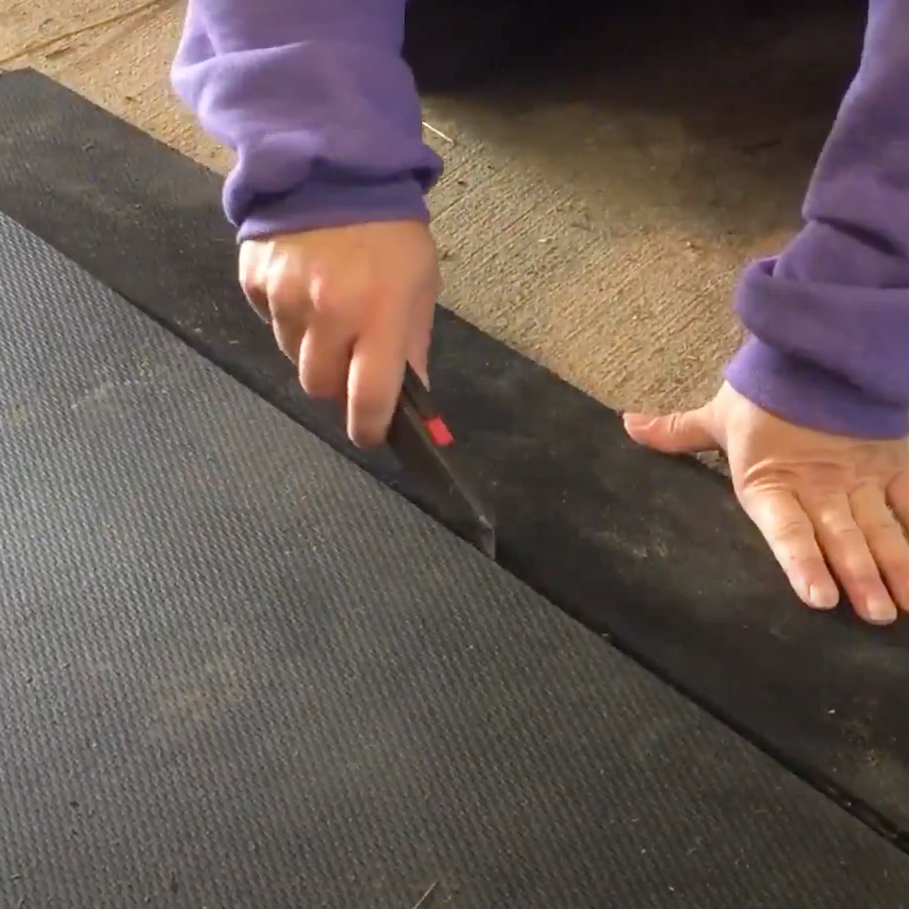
x=829 y=507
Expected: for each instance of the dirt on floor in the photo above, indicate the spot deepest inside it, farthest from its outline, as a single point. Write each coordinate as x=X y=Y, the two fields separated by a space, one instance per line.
x=594 y=214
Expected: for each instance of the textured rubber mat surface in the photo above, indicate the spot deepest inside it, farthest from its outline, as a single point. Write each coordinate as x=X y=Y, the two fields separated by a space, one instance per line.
x=238 y=672
x=605 y=530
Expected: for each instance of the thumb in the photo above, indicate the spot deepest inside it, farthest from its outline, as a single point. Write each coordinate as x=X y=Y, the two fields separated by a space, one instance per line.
x=675 y=433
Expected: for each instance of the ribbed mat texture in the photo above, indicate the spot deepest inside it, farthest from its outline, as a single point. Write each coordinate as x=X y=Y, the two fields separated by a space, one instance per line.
x=238 y=673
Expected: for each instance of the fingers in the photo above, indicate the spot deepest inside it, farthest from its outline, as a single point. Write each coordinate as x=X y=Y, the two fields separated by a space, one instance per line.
x=887 y=543
x=860 y=538
x=374 y=383
x=419 y=336
x=339 y=356
x=289 y=306
x=854 y=538
x=289 y=332
x=675 y=433
x=790 y=534
x=252 y=281
x=850 y=556
x=898 y=497
x=324 y=360
x=397 y=335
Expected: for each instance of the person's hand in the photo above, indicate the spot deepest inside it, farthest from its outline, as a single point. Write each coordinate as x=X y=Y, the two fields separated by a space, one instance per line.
x=819 y=500
x=349 y=306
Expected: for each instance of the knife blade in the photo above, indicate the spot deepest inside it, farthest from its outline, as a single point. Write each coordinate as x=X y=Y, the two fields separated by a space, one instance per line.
x=425 y=447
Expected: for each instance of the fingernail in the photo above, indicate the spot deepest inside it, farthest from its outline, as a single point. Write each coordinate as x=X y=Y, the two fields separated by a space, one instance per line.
x=881 y=609
x=637 y=420
x=822 y=597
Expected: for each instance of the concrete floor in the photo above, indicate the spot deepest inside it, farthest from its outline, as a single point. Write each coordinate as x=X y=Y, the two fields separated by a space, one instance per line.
x=595 y=215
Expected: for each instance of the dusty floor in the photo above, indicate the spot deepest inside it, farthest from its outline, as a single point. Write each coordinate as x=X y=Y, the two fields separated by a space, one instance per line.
x=596 y=216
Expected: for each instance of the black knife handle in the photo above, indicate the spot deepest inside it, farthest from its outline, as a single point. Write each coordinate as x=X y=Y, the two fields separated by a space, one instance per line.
x=415 y=394
x=423 y=445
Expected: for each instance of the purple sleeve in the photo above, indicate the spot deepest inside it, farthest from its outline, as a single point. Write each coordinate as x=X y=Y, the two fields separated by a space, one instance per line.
x=828 y=319
x=317 y=104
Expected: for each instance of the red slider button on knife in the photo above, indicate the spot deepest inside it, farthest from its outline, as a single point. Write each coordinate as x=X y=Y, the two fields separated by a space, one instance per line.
x=438 y=432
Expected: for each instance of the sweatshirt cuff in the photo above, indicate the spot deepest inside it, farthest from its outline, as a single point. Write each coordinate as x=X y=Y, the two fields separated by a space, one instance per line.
x=330 y=201
x=806 y=395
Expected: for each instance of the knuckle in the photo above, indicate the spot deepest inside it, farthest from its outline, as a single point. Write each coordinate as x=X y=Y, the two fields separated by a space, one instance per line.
x=838 y=523
x=883 y=522
x=283 y=291
x=860 y=574
x=324 y=289
x=888 y=540
x=891 y=552
x=899 y=580
x=334 y=296
x=249 y=279
x=850 y=540
x=793 y=533
x=244 y=257
x=249 y=265
x=251 y=290
x=804 y=563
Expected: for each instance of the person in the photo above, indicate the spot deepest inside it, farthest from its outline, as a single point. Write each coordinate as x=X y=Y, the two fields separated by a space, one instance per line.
x=328 y=197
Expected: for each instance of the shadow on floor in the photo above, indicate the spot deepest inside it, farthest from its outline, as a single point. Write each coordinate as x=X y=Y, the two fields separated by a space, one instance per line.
x=721 y=113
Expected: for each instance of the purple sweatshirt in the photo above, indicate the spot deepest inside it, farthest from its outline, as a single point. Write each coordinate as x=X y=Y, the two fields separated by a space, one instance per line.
x=323 y=115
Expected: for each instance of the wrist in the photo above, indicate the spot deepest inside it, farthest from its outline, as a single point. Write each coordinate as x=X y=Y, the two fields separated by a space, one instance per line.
x=329 y=201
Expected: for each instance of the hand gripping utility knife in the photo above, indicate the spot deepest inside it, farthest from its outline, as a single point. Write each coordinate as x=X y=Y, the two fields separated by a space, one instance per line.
x=426 y=448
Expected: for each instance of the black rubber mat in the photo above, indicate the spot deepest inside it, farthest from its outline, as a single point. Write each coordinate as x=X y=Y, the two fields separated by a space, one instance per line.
x=237 y=671
x=651 y=551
